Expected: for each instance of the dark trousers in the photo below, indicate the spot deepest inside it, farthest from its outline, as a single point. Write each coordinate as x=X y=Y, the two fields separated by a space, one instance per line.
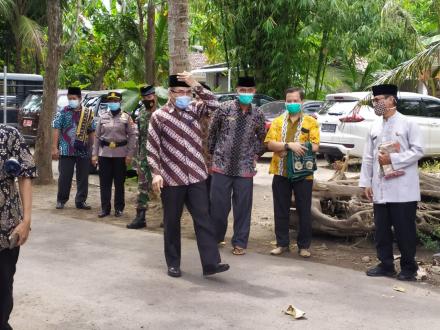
x=8 y=261
x=66 y=166
x=112 y=170
x=241 y=189
x=282 y=189
x=195 y=197
x=402 y=217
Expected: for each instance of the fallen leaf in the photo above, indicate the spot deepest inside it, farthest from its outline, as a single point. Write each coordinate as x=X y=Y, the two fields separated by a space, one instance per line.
x=294 y=312
x=399 y=289
x=421 y=274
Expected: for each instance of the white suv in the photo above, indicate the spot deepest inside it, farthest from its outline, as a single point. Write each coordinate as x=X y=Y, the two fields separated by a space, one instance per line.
x=344 y=131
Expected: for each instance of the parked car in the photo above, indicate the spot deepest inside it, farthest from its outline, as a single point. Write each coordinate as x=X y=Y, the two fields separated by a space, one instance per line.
x=18 y=87
x=276 y=108
x=259 y=99
x=344 y=131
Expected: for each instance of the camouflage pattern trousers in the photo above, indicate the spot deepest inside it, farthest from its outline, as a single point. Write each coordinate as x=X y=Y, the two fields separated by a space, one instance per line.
x=144 y=185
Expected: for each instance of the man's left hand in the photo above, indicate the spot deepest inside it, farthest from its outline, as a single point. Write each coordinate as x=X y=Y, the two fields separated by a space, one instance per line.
x=22 y=230
x=188 y=78
x=384 y=159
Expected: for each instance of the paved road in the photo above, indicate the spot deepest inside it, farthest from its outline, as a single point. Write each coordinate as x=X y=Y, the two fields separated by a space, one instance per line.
x=77 y=274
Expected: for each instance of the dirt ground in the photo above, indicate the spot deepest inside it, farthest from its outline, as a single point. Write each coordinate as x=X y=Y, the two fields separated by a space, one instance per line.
x=354 y=253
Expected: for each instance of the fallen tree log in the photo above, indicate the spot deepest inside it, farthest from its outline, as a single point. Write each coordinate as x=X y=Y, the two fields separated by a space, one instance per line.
x=339 y=207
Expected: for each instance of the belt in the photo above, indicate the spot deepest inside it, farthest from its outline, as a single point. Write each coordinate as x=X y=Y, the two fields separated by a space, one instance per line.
x=113 y=144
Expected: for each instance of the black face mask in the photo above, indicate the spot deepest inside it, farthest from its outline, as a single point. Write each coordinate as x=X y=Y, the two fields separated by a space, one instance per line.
x=149 y=104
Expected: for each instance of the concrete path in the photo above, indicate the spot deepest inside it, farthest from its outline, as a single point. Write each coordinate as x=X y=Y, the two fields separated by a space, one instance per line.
x=82 y=275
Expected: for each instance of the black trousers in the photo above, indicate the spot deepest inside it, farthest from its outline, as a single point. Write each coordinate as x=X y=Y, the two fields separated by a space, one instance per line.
x=195 y=197
x=241 y=189
x=402 y=217
x=66 y=166
x=112 y=170
x=8 y=261
x=282 y=190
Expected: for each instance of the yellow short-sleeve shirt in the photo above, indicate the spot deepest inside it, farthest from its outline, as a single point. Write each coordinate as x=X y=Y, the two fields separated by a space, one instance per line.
x=309 y=132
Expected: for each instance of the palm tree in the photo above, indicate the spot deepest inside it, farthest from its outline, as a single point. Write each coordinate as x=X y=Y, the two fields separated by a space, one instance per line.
x=424 y=66
x=178 y=40
x=27 y=32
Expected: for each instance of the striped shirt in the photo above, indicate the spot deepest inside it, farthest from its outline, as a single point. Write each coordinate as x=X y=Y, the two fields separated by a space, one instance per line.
x=174 y=145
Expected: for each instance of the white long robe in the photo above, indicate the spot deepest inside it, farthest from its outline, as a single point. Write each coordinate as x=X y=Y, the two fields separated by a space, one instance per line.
x=405 y=188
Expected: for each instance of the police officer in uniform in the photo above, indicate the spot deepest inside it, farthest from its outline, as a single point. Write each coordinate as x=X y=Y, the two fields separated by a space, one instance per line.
x=113 y=150
x=149 y=103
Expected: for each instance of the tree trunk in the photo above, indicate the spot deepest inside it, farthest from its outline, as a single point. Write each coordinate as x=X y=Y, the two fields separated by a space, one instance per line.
x=54 y=51
x=321 y=58
x=150 y=46
x=142 y=33
x=18 y=54
x=107 y=65
x=178 y=35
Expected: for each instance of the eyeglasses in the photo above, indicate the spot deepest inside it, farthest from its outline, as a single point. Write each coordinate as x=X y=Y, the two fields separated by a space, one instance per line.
x=182 y=92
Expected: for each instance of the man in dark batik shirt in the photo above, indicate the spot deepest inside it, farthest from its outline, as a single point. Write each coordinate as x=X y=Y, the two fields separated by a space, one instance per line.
x=236 y=140
x=15 y=211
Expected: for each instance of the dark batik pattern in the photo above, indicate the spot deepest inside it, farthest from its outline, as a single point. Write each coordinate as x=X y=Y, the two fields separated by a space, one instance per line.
x=175 y=141
x=12 y=145
x=236 y=139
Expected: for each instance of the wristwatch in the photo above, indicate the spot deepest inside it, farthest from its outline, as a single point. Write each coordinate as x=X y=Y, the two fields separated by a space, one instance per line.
x=286 y=146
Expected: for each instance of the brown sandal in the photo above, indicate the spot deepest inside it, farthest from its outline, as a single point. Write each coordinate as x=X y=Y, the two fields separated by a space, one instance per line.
x=238 y=251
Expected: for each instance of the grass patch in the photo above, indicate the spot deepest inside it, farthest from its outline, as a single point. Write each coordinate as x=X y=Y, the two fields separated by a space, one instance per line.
x=430 y=166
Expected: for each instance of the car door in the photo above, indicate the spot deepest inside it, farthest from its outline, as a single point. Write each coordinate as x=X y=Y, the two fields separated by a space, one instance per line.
x=414 y=109
x=431 y=110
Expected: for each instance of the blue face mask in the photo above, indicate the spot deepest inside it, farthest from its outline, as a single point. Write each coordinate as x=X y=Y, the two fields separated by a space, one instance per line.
x=293 y=108
x=114 y=106
x=73 y=104
x=182 y=102
x=245 y=98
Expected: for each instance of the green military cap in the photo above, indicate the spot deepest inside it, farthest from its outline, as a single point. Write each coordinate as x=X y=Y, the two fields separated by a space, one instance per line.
x=147 y=90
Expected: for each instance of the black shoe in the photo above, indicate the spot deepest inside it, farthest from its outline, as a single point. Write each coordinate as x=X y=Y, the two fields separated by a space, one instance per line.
x=139 y=221
x=103 y=214
x=174 y=272
x=211 y=270
x=407 y=276
x=60 y=206
x=380 y=271
x=83 y=206
x=118 y=213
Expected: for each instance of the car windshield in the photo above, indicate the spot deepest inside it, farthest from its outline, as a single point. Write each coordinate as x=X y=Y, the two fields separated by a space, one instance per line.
x=33 y=102
x=273 y=109
x=337 y=108
x=62 y=102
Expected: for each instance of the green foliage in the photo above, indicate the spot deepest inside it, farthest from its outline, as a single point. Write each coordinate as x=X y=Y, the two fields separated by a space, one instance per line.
x=430 y=242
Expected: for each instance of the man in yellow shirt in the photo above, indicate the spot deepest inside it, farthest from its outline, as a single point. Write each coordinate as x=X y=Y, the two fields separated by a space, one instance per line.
x=289 y=132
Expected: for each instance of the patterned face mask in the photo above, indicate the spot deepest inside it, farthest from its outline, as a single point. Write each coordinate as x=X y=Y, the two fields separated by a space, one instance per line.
x=380 y=108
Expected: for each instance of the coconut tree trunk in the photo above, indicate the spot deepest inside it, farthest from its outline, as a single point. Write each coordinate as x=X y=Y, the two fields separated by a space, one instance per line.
x=178 y=35
x=54 y=51
x=150 y=46
x=18 y=55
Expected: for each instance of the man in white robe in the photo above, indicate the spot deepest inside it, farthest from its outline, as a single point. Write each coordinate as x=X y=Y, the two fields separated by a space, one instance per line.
x=390 y=177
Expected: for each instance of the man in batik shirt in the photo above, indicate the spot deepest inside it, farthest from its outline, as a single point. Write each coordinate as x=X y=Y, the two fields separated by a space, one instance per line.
x=73 y=128
x=15 y=212
x=236 y=141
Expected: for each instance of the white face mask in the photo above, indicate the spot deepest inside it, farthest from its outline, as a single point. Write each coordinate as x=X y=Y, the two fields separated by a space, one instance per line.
x=73 y=104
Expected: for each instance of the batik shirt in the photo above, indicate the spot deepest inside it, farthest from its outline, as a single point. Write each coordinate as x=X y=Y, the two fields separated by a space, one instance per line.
x=236 y=139
x=175 y=141
x=12 y=145
x=283 y=130
x=67 y=120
